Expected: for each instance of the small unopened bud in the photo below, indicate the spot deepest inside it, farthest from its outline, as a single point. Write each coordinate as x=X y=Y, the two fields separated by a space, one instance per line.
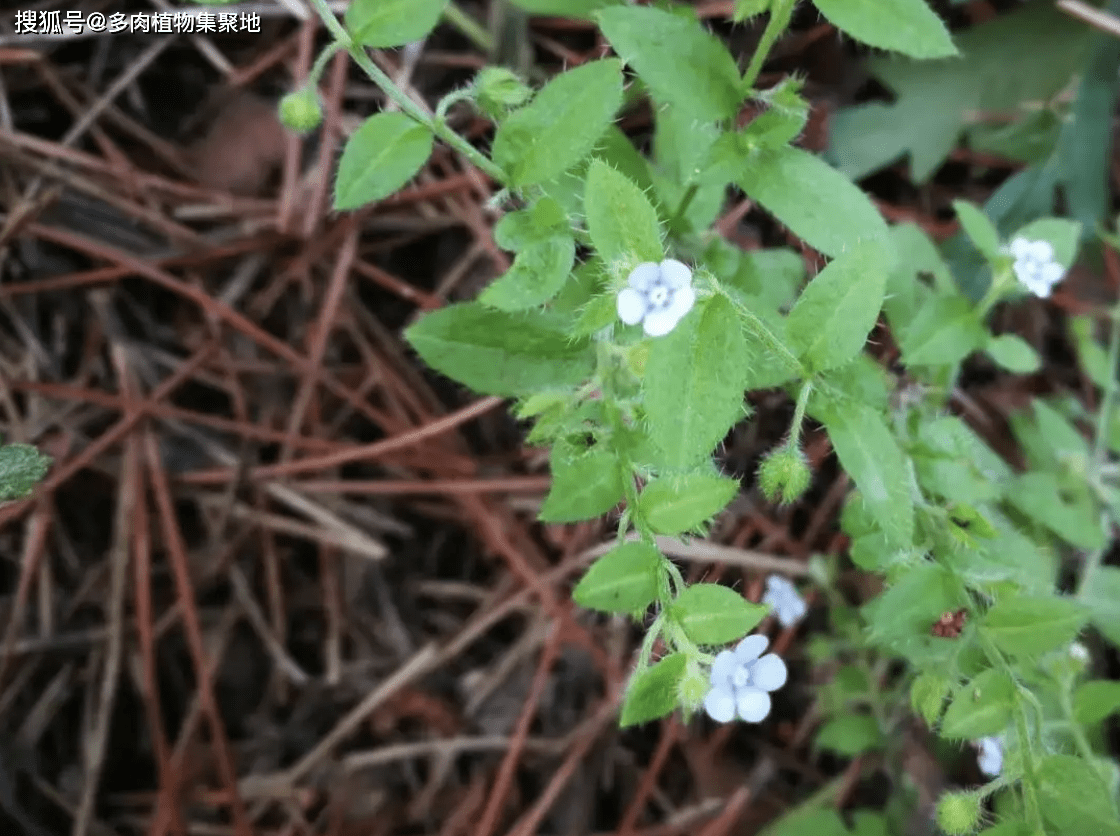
x=693 y=686
x=784 y=475
x=301 y=110
x=498 y=90
x=958 y=813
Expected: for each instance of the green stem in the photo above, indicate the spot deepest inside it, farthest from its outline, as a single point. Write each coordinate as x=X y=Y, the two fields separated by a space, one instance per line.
x=407 y=106
x=766 y=336
x=682 y=207
x=1100 y=443
x=799 y=414
x=321 y=62
x=468 y=27
x=780 y=13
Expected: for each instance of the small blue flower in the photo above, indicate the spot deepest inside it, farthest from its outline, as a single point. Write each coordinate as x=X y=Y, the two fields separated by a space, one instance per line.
x=784 y=601
x=741 y=679
x=990 y=758
x=658 y=296
x=1035 y=267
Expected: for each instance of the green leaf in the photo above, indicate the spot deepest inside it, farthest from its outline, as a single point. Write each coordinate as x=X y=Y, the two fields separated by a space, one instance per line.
x=829 y=324
x=1074 y=798
x=819 y=204
x=935 y=100
x=384 y=23
x=680 y=63
x=711 y=614
x=584 y=9
x=1094 y=359
x=944 y=332
x=21 y=468
x=1031 y=625
x=749 y=8
x=981 y=708
x=585 y=485
x=1066 y=507
x=673 y=505
x=536 y=275
x=499 y=353
x=694 y=382
x=906 y=26
x=1095 y=700
x=1103 y=598
x=379 y=158
x=653 y=692
x=624 y=580
x=561 y=125
x=927 y=696
x=621 y=221
x=801 y=821
x=850 y=735
x=978 y=228
x=1014 y=353
x=910 y=606
x=870 y=454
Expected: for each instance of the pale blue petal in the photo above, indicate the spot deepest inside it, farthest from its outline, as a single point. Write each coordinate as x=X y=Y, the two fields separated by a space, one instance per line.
x=752 y=704
x=659 y=323
x=631 y=306
x=1041 y=251
x=722 y=668
x=644 y=275
x=751 y=648
x=682 y=302
x=720 y=705
x=675 y=273
x=1020 y=247
x=769 y=673
x=990 y=758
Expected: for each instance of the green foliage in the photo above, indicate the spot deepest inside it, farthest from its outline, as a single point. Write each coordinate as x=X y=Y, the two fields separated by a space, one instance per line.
x=500 y=353
x=819 y=204
x=383 y=23
x=379 y=158
x=693 y=385
x=701 y=80
x=624 y=580
x=562 y=123
x=21 y=467
x=970 y=632
x=906 y=26
x=936 y=100
x=711 y=614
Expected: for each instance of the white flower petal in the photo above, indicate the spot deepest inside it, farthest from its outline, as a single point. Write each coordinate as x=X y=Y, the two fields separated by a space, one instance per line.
x=751 y=648
x=682 y=302
x=1041 y=251
x=644 y=275
x=1051 y=273
x=675 y=273
x=1020 y=247
x=990 y=759
x=631 y=306
x=779 y=585
x=769 y=673
x=752 y=704
x=723 y=667
x=660 y=323
x=720 y=705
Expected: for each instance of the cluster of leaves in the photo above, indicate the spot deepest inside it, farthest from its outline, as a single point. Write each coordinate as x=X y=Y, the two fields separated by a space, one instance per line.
x=633 y=420
x=21 y=468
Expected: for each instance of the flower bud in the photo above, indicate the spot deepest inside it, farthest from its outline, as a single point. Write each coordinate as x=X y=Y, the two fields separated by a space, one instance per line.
x=784 y=475
x=958 y=813
x=693 y=686
x=301 y=110
x=498 y=90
